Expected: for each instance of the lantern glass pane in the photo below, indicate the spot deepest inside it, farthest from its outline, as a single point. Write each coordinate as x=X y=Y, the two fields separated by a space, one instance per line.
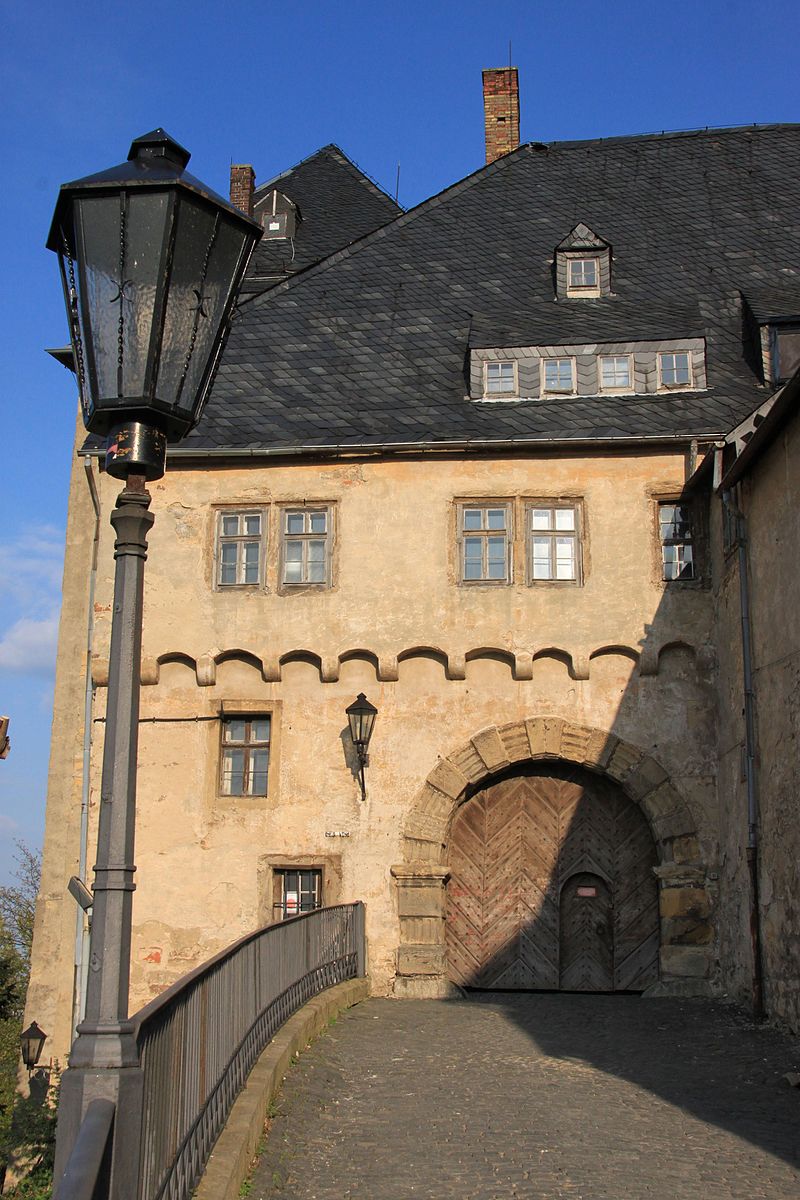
x=195 y=227
x=223 y=264
x=144 y=235
x=99 y=222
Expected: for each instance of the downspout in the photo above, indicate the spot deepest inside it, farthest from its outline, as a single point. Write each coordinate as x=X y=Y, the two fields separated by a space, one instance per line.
x=82 y=921
x=749 y=754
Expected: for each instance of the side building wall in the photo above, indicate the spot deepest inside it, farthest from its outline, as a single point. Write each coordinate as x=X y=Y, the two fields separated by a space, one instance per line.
x=623 y=653
x=769 y=498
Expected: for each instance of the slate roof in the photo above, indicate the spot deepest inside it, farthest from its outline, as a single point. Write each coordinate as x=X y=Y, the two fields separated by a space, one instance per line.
x=337 y=204
x=370 y=347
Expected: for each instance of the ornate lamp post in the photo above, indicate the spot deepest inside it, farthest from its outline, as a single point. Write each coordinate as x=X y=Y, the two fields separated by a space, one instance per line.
x=361 y=718
x=151 y=262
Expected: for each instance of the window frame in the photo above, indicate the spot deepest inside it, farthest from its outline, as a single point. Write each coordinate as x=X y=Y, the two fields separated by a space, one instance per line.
x=279 y=875
x=248 y=745
x=692 y=541
x=285 y=510
x=591 y=290
x=507 y=505
x=511 y=394
x=624 y=389
x=674 y=387
x=239 y=539
x=777 y=375
x=543 y=388
x=553 y=504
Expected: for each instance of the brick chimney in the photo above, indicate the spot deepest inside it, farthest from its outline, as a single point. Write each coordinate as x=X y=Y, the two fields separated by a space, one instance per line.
x=501 y=111
x=243 y=185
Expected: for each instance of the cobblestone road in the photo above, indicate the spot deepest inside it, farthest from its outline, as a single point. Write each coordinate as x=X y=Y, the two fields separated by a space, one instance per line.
x=537 y=1096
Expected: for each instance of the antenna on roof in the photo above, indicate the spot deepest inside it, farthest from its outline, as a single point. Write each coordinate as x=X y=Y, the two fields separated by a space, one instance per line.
x=397 y=184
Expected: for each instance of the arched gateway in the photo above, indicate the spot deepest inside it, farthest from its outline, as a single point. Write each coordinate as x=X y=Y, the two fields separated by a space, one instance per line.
x=534 y=857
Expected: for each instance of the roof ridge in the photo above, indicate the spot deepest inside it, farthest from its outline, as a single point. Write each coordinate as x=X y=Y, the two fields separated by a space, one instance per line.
x=666 y=135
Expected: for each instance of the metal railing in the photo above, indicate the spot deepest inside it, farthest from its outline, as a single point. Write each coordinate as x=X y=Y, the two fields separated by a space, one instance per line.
x=197 y=1043
x=200 y=1039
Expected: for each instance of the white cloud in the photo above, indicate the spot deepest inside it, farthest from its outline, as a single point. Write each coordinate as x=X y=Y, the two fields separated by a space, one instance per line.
x=29 y=646
x=30 y=569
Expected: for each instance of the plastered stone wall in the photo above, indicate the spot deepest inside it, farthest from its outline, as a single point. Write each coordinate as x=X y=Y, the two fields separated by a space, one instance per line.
x=770 y=500
x=442 y=661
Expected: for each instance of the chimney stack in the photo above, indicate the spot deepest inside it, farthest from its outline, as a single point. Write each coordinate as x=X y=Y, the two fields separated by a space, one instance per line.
x=501 y=111
x=243 y=186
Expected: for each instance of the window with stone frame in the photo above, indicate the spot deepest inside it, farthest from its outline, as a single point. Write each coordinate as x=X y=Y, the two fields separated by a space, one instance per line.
x=553 y=542
x=306 y=541
x=241 y=542
x=297 y=890
x=677 y=541
x=244 y=758
x=485 y=542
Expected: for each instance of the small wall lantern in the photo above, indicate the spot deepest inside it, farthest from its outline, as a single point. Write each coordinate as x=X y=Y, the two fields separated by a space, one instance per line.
x=361 y=718
x=31 y=1042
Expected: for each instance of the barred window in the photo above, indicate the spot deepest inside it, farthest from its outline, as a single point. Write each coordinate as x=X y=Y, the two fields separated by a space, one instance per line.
x=297 y=891
x=553 y=544
x=245 y=756
x=485 y=555
x=240 y=547
x=677 y=554
x=306 y=546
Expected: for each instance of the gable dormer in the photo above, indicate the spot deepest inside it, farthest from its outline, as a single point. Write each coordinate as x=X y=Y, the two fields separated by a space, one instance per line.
x=278 y=214
x=583 y=265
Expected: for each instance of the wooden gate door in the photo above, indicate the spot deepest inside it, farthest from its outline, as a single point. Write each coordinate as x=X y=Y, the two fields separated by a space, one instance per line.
x=512 y=849
x=586 y=935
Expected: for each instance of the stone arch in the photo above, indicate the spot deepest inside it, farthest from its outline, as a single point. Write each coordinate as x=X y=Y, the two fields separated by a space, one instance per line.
x=685 y=900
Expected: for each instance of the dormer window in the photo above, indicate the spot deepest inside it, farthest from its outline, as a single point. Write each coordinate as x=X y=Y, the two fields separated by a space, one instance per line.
x=785 y=345
x=583 y=276
x=615 y=373
x=559 y=376
x=500 y=379
x=583 y=265
x=675 y=370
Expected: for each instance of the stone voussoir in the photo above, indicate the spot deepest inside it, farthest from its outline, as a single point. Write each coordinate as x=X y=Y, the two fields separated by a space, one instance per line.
x=490 y=748
x=447 y=778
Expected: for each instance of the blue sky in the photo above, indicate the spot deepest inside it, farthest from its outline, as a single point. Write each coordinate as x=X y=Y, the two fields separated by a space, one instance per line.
x=269 y=84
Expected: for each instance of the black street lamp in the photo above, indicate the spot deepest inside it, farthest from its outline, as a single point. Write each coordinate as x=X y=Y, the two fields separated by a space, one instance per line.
x=361 y=718
x=31 y=1042
x=151 y=262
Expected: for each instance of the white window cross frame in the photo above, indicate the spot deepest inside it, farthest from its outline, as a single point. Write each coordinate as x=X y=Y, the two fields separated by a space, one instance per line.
x=554 y=543
x=675 y=369
x=615 y=372
x=241 y=538
x=306 y=547
x=558 y=376
x=485 y=536
x=500 y=378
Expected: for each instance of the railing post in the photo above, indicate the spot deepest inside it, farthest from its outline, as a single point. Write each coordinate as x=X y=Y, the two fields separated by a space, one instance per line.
x=359 y=922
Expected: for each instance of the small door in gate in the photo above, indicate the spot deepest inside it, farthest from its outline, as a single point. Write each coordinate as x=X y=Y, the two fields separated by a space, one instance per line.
x=586 y=952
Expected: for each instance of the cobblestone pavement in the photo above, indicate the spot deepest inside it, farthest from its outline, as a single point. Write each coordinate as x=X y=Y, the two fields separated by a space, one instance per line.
x=537 y=1096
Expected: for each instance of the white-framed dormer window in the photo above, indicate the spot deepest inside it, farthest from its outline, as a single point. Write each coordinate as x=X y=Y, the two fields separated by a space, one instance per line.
x=500 y=378
x=675 y=369
x=616 y=373
x=583 y=276
x=558 y=376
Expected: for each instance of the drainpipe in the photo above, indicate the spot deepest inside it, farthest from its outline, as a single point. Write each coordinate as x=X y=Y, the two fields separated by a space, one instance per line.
x=749 y=756
x=82 y=922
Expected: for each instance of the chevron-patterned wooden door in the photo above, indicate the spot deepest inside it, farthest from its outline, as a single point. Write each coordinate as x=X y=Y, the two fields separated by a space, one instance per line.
x=513 y=847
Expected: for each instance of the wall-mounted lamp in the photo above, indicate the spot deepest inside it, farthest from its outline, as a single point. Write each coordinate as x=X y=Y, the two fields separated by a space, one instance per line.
x=361 y=718
x=31 y=1042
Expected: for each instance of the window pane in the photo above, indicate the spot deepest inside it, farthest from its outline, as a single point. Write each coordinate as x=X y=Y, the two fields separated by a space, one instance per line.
x=472 y=569
x=541 y=518
x=293 y=572
x=316 y=551
x=251 y=558
x=227 y=573
x=496 y=556
x=233 y=773
x=319 y=522
x=541 y=568
x=294 y=522
x=230 y=524
x=259 y=761
x=496 y=518
x=252 y=523
x=259 y=729
x=316 y=572
x=565 y=518
x=472 y=518
x=294 y=552
x=234 y=730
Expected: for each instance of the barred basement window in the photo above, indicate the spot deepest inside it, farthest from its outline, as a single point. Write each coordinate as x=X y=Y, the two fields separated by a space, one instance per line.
x=553 y=544
x=240 y=547
x=305 y=549
x=297 y=891
x=245 y=756
x=484 y=533
x=677 y=554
